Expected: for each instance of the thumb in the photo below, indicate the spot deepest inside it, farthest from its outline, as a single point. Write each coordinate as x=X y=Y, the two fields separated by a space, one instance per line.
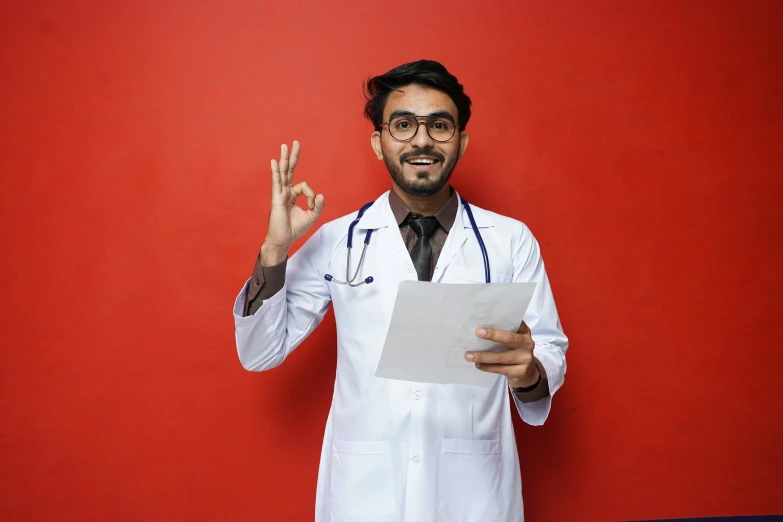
x=318 y=207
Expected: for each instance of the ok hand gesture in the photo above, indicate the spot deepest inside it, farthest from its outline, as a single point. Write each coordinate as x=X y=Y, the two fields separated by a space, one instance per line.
x=287 y=221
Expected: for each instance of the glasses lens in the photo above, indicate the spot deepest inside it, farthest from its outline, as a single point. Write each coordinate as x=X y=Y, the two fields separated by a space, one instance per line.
x=441 y=129
x=403 y=127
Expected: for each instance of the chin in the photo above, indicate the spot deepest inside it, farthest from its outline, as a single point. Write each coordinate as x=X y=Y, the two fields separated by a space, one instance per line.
x=419 y=184
x=433 y=176
x=422 y=187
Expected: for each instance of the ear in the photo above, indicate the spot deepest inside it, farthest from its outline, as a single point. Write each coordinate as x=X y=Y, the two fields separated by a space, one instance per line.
x=375 y=142
x=463 y=144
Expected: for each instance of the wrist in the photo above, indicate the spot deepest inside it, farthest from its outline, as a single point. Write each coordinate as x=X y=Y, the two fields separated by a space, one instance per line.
x=272 y=255
x=528 y=382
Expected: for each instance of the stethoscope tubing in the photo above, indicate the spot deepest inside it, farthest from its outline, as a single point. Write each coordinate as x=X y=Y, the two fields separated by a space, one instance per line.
x=480 y=240
x=349 y=280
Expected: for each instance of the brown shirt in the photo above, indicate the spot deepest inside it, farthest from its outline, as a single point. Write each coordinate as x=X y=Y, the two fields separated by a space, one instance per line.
x=267 y=281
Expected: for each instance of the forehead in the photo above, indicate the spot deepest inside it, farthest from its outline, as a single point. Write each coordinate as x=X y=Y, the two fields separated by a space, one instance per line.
x=418 y=100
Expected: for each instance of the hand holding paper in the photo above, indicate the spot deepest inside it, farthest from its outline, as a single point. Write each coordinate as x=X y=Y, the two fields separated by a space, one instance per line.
x=516 y=363
x=433 y=325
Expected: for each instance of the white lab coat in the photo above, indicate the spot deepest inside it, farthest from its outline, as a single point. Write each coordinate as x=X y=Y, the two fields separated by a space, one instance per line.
x=395 y=450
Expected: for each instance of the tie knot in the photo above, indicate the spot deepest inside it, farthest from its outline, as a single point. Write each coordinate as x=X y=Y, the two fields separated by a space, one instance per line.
x=423 y=226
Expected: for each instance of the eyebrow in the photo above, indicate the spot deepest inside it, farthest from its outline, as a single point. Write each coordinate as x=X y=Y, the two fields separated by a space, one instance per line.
x=436 y=114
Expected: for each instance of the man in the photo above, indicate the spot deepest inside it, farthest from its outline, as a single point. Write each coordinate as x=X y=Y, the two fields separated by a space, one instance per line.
x=395 y=450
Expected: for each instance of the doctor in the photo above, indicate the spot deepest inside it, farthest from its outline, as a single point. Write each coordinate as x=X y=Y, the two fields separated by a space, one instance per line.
x=395 y=450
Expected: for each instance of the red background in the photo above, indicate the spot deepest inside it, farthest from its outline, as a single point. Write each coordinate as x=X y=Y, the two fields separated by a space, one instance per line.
x=641 y=142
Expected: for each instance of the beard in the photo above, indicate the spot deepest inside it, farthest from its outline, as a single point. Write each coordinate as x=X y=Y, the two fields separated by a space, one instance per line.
x=423 y=185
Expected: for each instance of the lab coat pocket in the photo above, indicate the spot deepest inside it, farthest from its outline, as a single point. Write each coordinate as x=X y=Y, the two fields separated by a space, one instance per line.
x=362 y=484
x=470 y=480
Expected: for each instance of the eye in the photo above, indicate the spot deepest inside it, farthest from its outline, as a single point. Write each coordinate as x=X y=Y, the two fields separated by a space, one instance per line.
x=402 y=124
x=441 y=126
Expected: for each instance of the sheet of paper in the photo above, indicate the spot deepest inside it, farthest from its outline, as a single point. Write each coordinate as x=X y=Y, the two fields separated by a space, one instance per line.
x=434 y=324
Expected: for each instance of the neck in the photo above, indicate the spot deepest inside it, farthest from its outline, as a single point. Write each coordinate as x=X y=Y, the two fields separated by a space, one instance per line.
x=424 y=205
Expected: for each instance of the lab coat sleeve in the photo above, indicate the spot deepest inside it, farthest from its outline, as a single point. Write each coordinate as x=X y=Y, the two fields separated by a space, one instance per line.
x=542 y=319
x=267 y=337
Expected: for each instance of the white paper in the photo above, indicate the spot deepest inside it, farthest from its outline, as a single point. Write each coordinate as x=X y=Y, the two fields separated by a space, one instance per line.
x=434 y=324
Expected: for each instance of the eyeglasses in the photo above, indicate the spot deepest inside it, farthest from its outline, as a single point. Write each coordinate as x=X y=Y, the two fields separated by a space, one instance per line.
x=404 y=128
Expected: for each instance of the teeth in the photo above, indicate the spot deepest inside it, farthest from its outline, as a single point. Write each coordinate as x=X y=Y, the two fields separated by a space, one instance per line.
x=421 y=162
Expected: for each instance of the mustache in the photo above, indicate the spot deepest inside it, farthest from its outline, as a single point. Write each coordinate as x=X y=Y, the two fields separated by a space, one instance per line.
x=428 y=153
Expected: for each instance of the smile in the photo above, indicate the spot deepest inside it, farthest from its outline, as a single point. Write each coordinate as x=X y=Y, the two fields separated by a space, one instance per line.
x=421 y=162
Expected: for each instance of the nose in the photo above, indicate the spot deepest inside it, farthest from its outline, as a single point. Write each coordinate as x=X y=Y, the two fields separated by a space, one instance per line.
x=422 y=138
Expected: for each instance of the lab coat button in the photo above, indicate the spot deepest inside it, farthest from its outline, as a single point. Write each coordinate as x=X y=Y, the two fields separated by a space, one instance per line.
x=417 y=395
x=409 y=268
x=416 y=459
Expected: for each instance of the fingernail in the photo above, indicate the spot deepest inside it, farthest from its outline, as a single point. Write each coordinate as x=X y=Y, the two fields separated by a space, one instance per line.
x=469 y=356
x=481 y=332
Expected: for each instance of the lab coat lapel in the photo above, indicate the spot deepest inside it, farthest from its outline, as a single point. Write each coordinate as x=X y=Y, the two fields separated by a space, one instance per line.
x=391 y=262
x=379 y=217
x=454 y=243
x=458 y=236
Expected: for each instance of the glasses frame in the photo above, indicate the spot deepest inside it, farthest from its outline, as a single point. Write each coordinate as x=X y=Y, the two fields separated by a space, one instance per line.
x=420 y=123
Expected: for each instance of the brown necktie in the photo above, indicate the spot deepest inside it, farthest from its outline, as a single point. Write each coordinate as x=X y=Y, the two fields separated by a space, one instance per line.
x=421 y=254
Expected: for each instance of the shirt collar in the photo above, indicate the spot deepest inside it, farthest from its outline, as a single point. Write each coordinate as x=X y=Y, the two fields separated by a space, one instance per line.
x=446 y=215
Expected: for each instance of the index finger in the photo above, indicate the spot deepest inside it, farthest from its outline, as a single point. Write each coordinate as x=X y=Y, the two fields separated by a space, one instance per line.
x=304 y=188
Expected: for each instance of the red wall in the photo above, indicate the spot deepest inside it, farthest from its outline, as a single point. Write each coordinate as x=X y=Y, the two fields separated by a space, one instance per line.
x=641 y=142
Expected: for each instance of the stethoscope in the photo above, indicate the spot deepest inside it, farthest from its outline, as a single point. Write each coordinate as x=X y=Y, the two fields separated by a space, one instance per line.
x=367 y=280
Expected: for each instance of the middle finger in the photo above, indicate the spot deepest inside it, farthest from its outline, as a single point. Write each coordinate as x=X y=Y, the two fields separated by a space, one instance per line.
x=284 y=165
x=504 y=357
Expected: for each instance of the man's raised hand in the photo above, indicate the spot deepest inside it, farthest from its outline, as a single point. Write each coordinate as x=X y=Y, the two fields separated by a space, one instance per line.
x=287 y=221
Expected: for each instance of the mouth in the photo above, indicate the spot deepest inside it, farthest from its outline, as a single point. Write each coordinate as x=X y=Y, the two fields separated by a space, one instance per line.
x=422 y=163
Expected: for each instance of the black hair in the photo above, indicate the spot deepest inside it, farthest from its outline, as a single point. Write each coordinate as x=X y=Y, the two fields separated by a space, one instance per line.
x=426 y=73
